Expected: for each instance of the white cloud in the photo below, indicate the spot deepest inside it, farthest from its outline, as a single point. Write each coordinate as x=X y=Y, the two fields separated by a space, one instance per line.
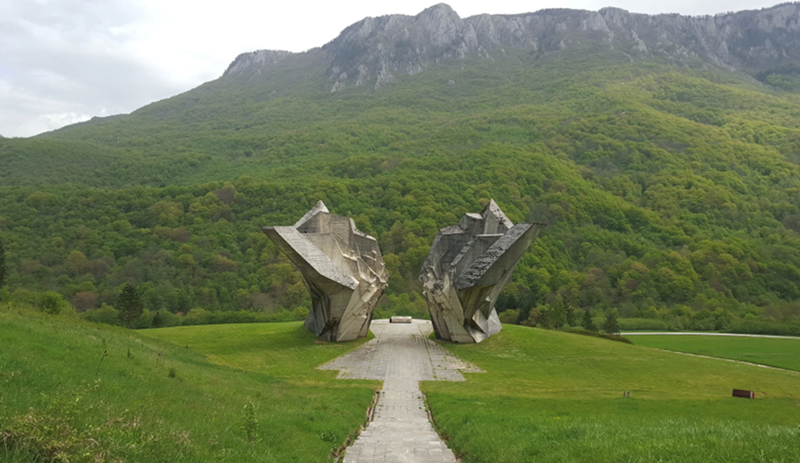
x=62 y=61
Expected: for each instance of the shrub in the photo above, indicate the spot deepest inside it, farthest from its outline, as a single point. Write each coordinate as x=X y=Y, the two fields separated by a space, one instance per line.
x=25 y=298
x=765 y=327
x=509 y=317
x=105 y=314
x=250 y=425
x=145 y=320
x=612 y=337
x=649 y=324
x=299 y=313
x=49 y=302
x=52 y=303
x=158 y=320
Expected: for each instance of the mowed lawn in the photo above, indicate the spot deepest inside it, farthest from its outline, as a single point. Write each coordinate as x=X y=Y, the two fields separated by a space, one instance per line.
x=281 y=350
x=781 y=353
x=550 y=396
x=176 y=394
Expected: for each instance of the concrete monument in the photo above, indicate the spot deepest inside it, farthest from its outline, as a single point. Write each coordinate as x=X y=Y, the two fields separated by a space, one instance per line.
x=467 y=268
x=342 y=269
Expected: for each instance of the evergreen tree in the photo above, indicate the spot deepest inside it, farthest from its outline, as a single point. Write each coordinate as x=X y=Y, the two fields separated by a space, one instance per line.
x=570 y=312
x=158 y=320
x=588 y=323
x=558 y=313
x=611 y=326
x=2 y=264
x=129 y=304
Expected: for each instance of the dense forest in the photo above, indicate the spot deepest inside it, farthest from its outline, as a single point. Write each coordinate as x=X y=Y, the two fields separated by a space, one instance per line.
x=672 y=195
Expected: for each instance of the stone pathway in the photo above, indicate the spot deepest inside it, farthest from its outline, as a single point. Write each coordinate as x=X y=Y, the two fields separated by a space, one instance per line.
x=401 y=355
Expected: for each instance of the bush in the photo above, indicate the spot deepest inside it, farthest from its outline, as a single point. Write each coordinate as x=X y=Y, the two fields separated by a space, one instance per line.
x=612 y=337
x=49 y=302
x=509 y=317
x=642 y=324
x=105 y=314
x=250 y=425
x=145 y=320
x=52 y=303
x=25 y=298
x=197 y=317
x=765 y=327
x=300 y=313
x=165 y=318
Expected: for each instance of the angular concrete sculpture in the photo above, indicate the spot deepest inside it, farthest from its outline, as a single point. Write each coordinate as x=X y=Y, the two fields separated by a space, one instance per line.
x=467 y=268
x=342 y=269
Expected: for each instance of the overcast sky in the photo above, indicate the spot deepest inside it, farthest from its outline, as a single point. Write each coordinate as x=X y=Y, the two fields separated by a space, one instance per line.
x=64 y=61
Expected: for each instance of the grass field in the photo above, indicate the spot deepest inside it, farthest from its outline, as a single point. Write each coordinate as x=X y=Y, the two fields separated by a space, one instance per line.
x=179 y=395
x=781 y=353
x=551 y=396
x=157 y=401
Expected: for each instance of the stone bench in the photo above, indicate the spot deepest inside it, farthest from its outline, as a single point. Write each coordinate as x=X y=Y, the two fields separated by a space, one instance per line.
x=397 y=319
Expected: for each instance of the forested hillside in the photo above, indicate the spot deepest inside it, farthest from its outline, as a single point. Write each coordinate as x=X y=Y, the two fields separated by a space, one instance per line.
x=671 y=192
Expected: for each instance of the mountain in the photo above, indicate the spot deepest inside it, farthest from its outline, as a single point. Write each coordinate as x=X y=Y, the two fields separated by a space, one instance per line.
x=667 y=168
x=374 y=51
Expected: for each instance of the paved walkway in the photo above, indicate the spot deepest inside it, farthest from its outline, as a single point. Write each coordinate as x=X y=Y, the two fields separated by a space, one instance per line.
x=401 y=355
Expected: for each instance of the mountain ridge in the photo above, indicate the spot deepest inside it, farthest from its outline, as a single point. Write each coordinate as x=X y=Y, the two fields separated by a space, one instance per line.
x=375 y=50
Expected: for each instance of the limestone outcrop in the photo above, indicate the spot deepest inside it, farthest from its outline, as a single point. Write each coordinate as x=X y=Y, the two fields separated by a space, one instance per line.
x=341 y=267
x=376 y=51
x=467 y=268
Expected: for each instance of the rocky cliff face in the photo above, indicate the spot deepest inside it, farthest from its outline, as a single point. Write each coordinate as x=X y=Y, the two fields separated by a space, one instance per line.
x=375 y=50
x=256 y=61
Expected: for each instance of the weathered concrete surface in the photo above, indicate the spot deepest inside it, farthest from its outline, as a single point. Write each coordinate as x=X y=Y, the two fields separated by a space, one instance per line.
x=342 y=269
x=401 y=355
x=466 y=269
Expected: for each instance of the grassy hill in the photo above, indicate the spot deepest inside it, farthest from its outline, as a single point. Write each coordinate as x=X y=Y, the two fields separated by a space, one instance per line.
x=554 y=396
x=150 y=400
x=671 y=192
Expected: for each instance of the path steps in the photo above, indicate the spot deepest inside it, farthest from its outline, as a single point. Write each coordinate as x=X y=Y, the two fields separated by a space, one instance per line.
x=401 y=355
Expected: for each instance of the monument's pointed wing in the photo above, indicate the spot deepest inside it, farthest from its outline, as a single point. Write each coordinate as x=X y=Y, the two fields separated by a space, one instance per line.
x=466 y=269
x=319 y=207
x=500 y=258
x=495 y=220
x=341 y=267
x=308 y=257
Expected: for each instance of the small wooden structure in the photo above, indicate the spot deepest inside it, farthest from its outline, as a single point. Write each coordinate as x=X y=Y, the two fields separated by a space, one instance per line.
x=744 y=394
x=398 y=319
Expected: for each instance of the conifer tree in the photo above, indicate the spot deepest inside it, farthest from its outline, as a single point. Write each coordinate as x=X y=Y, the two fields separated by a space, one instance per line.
x=129 y=304
x=558 y=314
x=570 y=311
x=2 y=264
x=158 y=320
x=588 y=323
x=611 y=325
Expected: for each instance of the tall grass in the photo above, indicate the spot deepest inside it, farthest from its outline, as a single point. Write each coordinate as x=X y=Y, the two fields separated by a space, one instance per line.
x=135 y=410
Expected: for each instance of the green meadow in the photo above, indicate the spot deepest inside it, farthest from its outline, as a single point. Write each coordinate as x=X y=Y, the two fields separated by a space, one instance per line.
x=781 y=353
x=552 y=396
x=250 y=392
x=150 y=400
